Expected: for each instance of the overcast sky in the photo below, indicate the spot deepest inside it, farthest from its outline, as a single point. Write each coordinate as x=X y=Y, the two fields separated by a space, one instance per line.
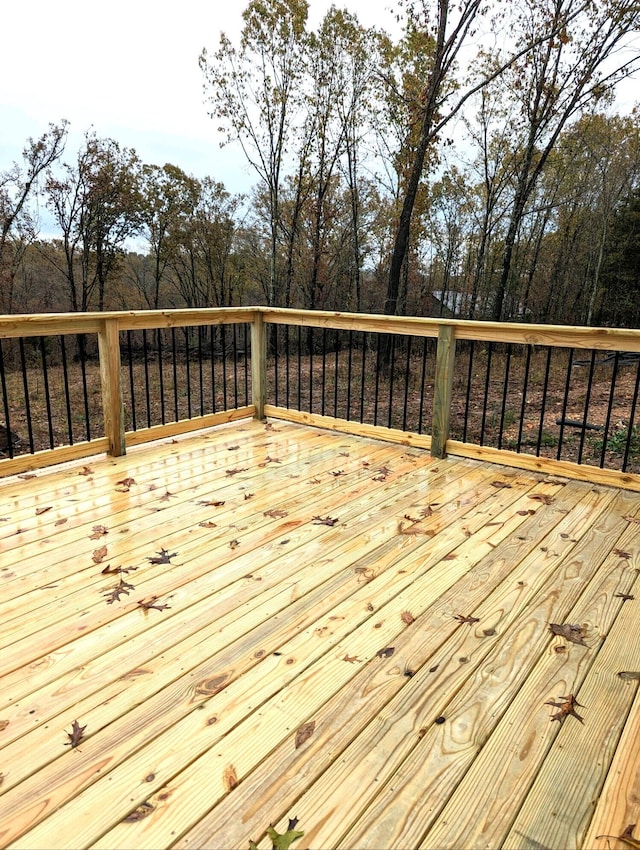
x=129 y=69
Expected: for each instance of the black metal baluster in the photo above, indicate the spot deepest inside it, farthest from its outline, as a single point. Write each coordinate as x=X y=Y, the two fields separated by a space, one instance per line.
x=630 y=428
x=607 y=424
x=324 y=370
x=212 y=355
x=201 y=331
x=246 y=363
x=406 y=384
x=364 y=375
x=377 y=389
x=187 y=357
x=27 y=397
x=565 y=403
x=543 y=410
x=223 y=337
x=472 y=349
x=523 y=406
x=336 y=376
x=587 y=399
x=5 y=403
x=299 y=368
x=131 y=381
x=287 y=365
x=67 y=398
x=310 y=337
x=145 y=353
x=486 y=393
x=392 y=369
x=161 y=373
x=174 y=359
x=423 y=378
x=505 y=393
x=47 y=393
x=235 y=365
x=349 y=375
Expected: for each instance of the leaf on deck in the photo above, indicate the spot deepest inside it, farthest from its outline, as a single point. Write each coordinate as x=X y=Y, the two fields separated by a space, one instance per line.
x=626 y=837
x=125 y=485
x=407 y=617
x=626 y=597
x=304 y=733
x=99 y=555
x=541 y=497
x=150 y=603
x=327 y=520
x=387 y=652
x=167 y=496
x=86 y=470
x=275 y=513
x=622 y=554
x=233 y=544
x=566 y=708
x=61 y=521
x=214 y=503
x=76 y=735
x=231 y=472
x=630 y=518
x=570 y=632
x=501 y=485
x=469 y=620
x=40 y=511
x=98 y=531
x=281 y=841
x=248 y=496
x=122 y=588
x=629 y=675
x=162 y=557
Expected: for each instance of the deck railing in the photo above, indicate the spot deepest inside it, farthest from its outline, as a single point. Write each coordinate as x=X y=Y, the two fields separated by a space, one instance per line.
x=559 y=399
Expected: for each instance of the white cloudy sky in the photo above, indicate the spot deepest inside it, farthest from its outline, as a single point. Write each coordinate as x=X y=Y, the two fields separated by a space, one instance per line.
x=128 y=68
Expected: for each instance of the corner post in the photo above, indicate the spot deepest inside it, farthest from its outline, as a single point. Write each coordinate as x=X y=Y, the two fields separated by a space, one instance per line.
x=445 y=362
x=258 y=364
x=110 y=378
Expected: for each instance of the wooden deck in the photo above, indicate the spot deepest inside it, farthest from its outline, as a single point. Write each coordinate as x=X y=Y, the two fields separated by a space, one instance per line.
x=321 y=627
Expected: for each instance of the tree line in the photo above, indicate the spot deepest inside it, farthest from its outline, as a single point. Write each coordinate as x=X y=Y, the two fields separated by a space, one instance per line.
x=445 y=171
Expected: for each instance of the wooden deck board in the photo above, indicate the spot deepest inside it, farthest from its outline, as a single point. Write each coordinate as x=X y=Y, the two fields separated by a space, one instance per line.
x=277 y=620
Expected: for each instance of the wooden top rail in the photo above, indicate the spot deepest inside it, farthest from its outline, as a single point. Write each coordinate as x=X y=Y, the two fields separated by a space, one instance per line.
x=606 y=339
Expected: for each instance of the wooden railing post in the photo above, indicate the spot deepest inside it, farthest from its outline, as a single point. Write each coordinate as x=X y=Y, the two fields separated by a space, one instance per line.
x=258 y=364
x=112 y=405
x=445 y=361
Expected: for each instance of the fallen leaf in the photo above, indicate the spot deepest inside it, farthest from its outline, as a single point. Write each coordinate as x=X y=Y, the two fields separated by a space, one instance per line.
x=530 y=512
x=139 y=813
x=61 y=521
x=351 y=659
x=462 y=619
x=114 y=595
x=99 y=555
x=230 y=777
x=217 y=503
x=40 y=511
x=86 y=470
x=167 y=496
x=630 y=518
x=109 y=570
x=281 y=841
x=76 y=735
x=622 y=554
x=407 y=617
x=150 y=603
x=98 y=532
x=275 y=513
x=414 y=528
x=500 y=485
x=236 y=471
x=248 y=496
x=337 y=473
x=208 y=524
x=232 y=448
x=626 y=597
x=573 y=633
x=629 y=675
x=327 y=520
x=162 y=557
x=387 y=652
x=304 y=733
x=125 y=485
x=567 y=707
x=542 y=497
x=27 y=476
x=626 y=837
x=383 y=472
x=233 y=544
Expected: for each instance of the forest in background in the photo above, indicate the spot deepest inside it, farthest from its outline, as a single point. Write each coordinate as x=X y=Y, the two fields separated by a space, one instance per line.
x=435 y=174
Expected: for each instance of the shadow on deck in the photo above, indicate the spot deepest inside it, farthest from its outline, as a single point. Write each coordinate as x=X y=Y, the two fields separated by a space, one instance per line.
x=257 y=623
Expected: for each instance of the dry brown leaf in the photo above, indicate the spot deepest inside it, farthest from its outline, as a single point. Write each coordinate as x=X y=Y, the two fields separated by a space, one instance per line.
x=327 y=520
x=501 y=485
x=275 y=513
x=217 y=503
x=167 y=496
x=248 y=496
x=40 y=511
x=630 y=675
x=407 y=617
x=76 y=735
x=566 y=708
x=304 y=733
x=542 y=497
x=573 y=633
x=351 y=658
x=233 y=544
x=208 y=524
x=236 y=471
x=626 y=837
x=622 y=554
x=98 y=532
x=469 y=620
x=61 y=521
x=530 y=512
x=27 y=476
x=630 y=518
x=230 y=777
x=99 y=555
x=86 y=470
x=626 y=597
x=162 y=557
x=147 y=604
x=125 y=484
x=387 y=652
